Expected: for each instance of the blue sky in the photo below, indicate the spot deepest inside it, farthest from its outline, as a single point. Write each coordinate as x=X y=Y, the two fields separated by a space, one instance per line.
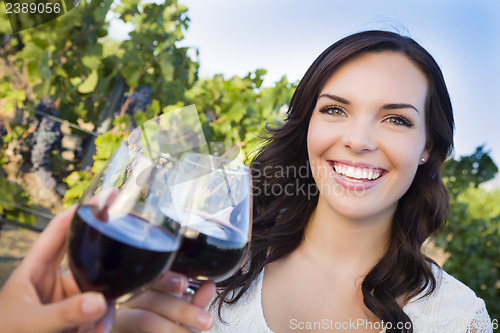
x=285 y=36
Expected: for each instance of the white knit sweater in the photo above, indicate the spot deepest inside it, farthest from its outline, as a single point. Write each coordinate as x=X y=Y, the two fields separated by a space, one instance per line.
x=452 y=308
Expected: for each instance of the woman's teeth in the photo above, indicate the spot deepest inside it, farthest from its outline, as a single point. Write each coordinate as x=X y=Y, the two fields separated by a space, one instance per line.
x=357 y=173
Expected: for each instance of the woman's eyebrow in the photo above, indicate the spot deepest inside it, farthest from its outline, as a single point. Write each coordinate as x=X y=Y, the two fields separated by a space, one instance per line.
x=335 y=98
x=394 y=106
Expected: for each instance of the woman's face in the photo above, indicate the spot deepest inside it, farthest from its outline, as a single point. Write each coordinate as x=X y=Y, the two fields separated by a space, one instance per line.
x=367 y=135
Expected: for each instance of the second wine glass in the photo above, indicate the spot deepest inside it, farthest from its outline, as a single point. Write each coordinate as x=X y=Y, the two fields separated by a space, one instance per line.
x=210 y=197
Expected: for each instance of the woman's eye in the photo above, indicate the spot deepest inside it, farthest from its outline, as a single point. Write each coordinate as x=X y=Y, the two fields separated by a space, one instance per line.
x=333 y=110
x=399 y=121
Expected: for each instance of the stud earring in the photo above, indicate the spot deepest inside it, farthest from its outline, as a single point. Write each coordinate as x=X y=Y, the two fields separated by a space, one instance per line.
x=423 y=160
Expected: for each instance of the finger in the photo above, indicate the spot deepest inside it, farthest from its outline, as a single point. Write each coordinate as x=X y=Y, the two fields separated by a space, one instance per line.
x=141 y=321
x=50 y=246
x=204 y=294
x=174 y=309
x=71 y=312
x=69 y=284
x=171 y=282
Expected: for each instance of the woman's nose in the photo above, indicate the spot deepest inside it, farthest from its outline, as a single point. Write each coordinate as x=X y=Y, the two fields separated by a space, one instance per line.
x=360 y=136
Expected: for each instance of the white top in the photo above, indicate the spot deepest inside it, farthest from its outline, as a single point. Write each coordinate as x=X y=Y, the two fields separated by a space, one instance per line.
x=451 y=308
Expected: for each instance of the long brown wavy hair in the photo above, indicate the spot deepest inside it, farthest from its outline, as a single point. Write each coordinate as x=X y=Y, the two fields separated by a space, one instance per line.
x=280 y=219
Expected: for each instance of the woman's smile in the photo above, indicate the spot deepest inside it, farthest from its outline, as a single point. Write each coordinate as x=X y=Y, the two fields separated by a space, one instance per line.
x=356 y=172
x=356 y=176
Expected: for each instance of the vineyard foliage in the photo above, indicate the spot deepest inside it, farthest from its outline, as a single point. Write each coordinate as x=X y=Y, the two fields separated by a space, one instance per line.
x=472 y=232
x=105 y=88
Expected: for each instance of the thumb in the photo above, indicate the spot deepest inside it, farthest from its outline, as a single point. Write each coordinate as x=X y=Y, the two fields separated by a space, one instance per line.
x=72 y=312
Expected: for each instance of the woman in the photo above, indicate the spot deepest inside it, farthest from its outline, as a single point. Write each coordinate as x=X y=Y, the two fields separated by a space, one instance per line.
x=338 y=247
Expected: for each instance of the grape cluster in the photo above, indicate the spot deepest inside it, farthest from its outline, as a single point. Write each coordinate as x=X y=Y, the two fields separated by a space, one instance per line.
x=46 y=138
x=139 y=100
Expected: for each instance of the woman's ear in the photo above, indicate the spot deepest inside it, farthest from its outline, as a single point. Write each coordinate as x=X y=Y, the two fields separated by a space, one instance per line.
x=424 y=157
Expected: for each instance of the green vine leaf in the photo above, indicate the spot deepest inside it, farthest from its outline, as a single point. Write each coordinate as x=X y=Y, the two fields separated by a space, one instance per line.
x=89 y=84
x=167 y=67
x=44 y=67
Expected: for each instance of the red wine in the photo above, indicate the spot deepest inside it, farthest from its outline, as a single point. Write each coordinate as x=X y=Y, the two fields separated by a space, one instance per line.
x=119 y=255
x=210 y=250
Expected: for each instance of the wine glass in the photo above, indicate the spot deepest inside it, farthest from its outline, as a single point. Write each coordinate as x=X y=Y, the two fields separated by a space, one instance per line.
x=118 y=242
x=210 y=197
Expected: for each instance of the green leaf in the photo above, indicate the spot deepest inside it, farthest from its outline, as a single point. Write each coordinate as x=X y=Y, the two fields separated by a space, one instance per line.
x=167 y=67
x=10 y=195
x=131 y=74
x=140 y=118
x=31 y=51
x=5 y=89
x=89 y=84
x=18 y=97
x=92 y=61
x=59 y=71
x=122 y=121
x=106 y=144
x=102 y=10
x=237 y=111
x=98 y=166
x=42 y=89
x=44 y=66
x=33 y=72
x=259 y=73
x=78 y=182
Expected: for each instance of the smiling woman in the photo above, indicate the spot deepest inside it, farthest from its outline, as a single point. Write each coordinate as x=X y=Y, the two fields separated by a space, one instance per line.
x=372 y=124
x=373 y=121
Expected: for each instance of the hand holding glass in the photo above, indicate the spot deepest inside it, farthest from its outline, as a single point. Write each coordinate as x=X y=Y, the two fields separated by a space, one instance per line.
x=117 y=242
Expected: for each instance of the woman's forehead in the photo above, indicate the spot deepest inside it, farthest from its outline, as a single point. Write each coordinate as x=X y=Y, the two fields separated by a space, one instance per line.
x=381 y=76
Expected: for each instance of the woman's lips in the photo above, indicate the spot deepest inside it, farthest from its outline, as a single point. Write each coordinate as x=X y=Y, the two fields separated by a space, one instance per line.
x=354 y=175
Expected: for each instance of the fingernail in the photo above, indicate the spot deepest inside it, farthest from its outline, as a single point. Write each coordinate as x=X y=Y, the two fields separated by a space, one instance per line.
x=93 y=305
x=205 y=319
x=177 y=284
